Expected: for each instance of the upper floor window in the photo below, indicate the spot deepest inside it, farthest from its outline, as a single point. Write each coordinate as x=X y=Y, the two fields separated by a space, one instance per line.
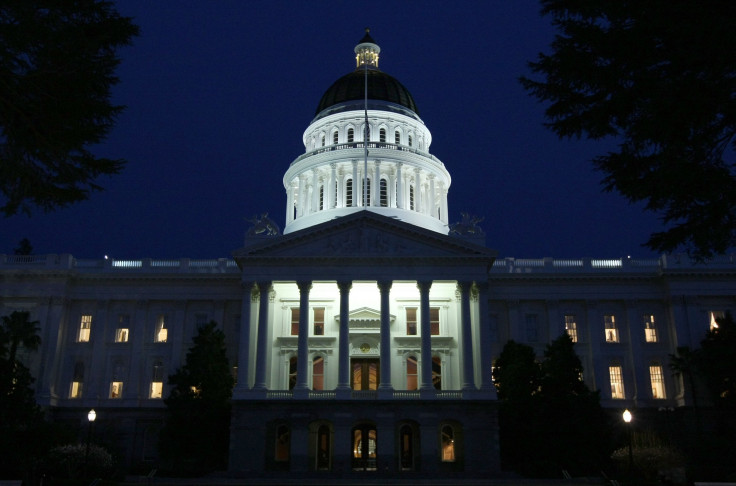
x=715 y=316
x=351 y=135
x=611 y=329
x=650 y=329
x=85 y=327
x=411 y=321
x=334 y=137
x=319 y=321
x=318 y=373
x=121 y=333
x=162 y=332
x=571 y=327
x=397 y=137
x=434 y=321
x=617 y=381
x=657 y=378
x=295 y=321
x=383 y=193
x=382 y=135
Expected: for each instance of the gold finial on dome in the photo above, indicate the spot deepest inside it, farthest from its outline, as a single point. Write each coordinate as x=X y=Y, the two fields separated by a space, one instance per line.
x=366 y=52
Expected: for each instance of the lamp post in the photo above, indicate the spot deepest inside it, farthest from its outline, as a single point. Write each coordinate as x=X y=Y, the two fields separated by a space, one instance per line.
x=91 y=416
x=627 y=418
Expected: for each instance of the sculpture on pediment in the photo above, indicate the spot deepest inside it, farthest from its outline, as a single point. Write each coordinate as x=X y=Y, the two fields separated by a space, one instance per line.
x=468 y=225
x=263 y=225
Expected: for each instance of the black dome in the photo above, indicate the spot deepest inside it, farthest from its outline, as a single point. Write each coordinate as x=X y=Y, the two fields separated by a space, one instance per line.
x=381 y=87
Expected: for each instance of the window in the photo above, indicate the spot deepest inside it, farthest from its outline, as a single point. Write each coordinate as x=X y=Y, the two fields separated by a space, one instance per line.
x=571 y=327
x=617 y=382
x=383 y=193
x=292 y=372
x=295 y=321
x=162 y=332
x=348 y=193
x=121 y=333
x=382 y=135
x=611 y=330
x=157 y=380
x=397 y=137
x=334 y=137
x=412 y=382
x=351 y=135
x=448 y=444
x=531 y=328
x=283 y=439
x=657 y=378
x=650 y=330
x=318 y=373
x=411 y=321
x=319 y=321
x=434 y=321
x=85 y=327
x=75 y=390
x=437 y=372
x=715 y=316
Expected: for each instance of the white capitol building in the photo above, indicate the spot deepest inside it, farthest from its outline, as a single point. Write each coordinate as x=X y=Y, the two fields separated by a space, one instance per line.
x=363 y=337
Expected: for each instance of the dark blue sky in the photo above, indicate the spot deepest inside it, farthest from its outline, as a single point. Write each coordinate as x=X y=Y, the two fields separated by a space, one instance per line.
x=220 y=93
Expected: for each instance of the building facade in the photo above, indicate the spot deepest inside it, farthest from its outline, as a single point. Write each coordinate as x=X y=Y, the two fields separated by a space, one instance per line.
x=363 y=337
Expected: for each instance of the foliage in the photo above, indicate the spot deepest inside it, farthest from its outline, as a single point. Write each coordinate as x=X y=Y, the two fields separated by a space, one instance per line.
x=195 y=438
x=648 y=75
x=57 y=64
x=70 y=461
x=548 y=403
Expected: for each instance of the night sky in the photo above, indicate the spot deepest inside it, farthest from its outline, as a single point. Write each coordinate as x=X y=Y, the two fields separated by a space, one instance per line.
x=219 y=93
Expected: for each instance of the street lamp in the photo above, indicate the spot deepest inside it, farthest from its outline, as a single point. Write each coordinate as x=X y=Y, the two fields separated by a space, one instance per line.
x=91 y=416
x=627 y=418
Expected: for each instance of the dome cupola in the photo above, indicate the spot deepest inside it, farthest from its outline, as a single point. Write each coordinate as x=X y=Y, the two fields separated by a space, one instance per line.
x=367 y=150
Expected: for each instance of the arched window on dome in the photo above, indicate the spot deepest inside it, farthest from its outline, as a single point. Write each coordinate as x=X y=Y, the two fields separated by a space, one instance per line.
x=334 y=137
x=382 y=135
x=397 y=137
x=383 y=193
x=349 y=193
x=351 y=135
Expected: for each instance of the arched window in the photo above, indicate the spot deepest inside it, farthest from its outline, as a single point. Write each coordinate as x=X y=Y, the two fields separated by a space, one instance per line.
x=292 y=372
x=77 y=381
x=437 y=372
x=334 y=137
x=382 y=135
x=349 y=193
x=412 y=381
x=351 y=135
x=448 y=444
x=397 y=137
x=318 y=373
x=283 y=444
x=383 y=193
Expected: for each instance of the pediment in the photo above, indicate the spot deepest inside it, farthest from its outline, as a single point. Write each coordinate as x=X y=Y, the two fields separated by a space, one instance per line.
x=364 y=234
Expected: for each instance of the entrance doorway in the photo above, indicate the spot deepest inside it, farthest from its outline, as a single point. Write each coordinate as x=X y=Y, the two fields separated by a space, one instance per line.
x=364 y=447
x=365 y=374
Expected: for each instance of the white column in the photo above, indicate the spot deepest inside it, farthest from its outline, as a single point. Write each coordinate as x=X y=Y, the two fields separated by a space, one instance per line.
x=302 y=354
x=264 y=288
x=467 y=336
x=399 y=187
x=426 y=344
x=343 y=373
x=385 y=382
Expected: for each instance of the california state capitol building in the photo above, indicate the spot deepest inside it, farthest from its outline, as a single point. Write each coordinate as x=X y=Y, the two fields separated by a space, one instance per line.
x=362 y=334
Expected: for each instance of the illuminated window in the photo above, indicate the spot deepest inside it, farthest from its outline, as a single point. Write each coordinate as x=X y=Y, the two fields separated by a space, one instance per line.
x=382 y=135
x=121 y=333
x=657 y=378
x=397 y=137
x=351 y=135
x=383 y=193
x=334 y=137
x=448 y=444
x=75 y=390
x=411 y=321
x=295 y=321
x=157 y=380
x=715 y=316
x=434 y=321
x=319 y=321
x=412 y=382
x=617 y=382
x=650 y=330
x=349 y=193
x=571 y=327
x=318 y=373
x=531 y=328
x=162 y=332
x=437 y=372
x=85 y=326
x=610 y=328
x=292 y=372
x=283 y=444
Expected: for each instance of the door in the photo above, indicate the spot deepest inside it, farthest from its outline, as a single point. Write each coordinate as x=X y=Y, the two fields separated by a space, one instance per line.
x=365 y=374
